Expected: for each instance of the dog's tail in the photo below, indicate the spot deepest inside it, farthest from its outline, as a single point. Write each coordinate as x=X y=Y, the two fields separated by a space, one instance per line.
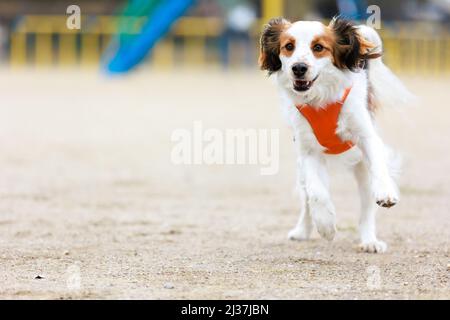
x=385 y=89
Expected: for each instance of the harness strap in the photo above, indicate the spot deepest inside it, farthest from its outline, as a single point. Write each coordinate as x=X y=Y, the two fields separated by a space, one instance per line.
x=323 y=122
x=346 y=93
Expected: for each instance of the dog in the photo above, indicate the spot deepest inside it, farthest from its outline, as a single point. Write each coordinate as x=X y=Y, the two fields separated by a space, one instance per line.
x=331 y=80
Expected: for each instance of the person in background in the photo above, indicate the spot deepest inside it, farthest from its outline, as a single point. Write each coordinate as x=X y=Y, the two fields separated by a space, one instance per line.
x=240 y=15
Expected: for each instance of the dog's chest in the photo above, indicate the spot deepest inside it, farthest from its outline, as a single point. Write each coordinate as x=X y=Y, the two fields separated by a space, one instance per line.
x=324 y=130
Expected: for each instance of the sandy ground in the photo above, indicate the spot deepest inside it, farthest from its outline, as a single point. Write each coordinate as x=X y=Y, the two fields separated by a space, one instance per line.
x=91 y=205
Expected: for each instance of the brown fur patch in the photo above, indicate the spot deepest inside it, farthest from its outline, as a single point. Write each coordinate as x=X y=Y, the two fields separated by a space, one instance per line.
x=327 y=40
x=350 y=49
x=270 y=44
x=285 y=39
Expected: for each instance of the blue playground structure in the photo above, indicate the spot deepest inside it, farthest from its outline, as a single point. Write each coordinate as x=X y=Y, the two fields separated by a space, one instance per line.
x=127 y=50
x=352 y=9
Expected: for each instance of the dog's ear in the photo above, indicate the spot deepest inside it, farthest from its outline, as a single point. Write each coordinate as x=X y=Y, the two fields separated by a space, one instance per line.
x=269 y=58
x=351 y=50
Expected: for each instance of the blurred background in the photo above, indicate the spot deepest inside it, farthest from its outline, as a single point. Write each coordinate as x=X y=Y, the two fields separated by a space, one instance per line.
x=210 y=33
x=87 y=181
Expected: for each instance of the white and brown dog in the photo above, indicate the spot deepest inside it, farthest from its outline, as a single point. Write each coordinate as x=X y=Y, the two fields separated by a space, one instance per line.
x=331 y=80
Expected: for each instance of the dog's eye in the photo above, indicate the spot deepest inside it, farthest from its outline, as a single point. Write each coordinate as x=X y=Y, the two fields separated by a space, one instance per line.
x=289 y=47
x=318 y=48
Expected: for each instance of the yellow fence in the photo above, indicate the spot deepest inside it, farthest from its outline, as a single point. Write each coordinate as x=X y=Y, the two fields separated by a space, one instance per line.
x=418 y=55
x=45 y=40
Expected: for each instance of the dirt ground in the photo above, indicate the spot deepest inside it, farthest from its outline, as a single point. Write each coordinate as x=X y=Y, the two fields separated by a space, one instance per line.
x=92 y=207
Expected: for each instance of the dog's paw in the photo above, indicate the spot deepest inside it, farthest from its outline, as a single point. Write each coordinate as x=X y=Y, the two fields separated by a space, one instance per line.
x=387 y=202
x=325 y=221
x=327 y=230
x=386 y=195
x=375 y=246
x=298 y=234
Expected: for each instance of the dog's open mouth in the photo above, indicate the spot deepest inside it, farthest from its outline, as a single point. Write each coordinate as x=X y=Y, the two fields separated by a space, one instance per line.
x=303 y=85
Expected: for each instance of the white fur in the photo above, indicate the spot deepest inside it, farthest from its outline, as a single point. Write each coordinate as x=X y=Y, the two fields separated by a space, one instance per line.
x=369 y=159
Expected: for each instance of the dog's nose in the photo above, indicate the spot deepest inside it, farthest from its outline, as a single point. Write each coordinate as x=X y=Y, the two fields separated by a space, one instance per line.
x=299 y=69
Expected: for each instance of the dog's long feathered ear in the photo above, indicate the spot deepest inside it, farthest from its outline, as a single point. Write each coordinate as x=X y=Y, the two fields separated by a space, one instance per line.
x=269 y=58
x=351 y=50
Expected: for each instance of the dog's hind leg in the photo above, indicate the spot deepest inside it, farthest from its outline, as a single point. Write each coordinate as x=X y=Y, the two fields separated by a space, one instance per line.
x=302 y=230
x=367 y=223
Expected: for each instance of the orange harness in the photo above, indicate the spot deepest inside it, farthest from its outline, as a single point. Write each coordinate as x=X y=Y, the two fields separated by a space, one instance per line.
x=323 y=122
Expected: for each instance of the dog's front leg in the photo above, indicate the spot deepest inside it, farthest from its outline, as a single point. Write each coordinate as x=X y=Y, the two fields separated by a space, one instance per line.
x=367 y=222
x=314 y=177
x=382 y=185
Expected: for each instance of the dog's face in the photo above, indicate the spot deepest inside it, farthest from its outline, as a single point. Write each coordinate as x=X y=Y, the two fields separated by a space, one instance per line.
x=304 y=50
